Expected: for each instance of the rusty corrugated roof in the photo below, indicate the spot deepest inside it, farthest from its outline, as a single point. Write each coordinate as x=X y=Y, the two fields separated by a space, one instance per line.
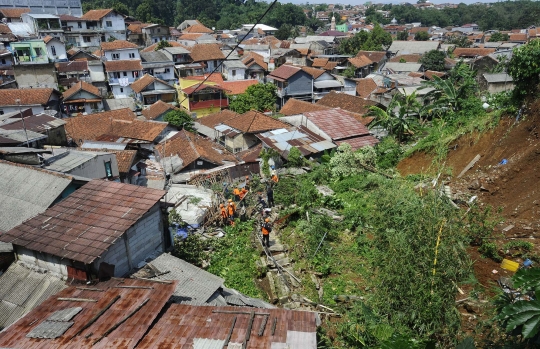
x=182 y=325
x=132 y=294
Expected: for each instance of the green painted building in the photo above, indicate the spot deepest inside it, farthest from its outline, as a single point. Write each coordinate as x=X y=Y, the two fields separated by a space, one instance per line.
x=31 y=51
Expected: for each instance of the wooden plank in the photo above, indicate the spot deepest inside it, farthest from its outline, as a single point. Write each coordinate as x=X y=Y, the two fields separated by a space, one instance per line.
x=470 y=165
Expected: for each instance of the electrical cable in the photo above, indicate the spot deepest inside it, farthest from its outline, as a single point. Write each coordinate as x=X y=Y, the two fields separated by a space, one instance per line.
x=233 y=50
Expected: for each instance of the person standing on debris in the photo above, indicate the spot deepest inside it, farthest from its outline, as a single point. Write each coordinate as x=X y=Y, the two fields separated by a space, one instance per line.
x=270 y=196
x=246 y=186
x=266 y=229
x=232 y=206
x=236 y=193
x=275 y=178
x=224 y=214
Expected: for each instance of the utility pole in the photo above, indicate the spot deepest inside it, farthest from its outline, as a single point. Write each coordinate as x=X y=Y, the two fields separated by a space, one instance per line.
x=18 y=101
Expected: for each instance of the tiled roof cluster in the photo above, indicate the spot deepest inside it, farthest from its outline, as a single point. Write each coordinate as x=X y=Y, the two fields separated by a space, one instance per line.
x=123 y=65
x=81 y=86
x=90 y=127
x=206 y=52
x=118 y=45
x=157 y=109
x=347 y=102
x=33 y=96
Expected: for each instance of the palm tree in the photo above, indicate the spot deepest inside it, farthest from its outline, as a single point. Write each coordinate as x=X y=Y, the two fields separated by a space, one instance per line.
x=399 y=117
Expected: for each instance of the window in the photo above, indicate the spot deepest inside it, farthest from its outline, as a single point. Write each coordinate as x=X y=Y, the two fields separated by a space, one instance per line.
x=108 y=169
x=121 y=90
x=53 y=50
x=108 y=24
x=131 y=55
x=3 y=61
x=125 y=73
x=115 y=56
x=87 y=38
x=116 y=75
x=237 y=150
x=233 y=72
x=215 y=63
x=79 y=25
x=159 y=30
x=93 y=105
x=135 y=74
x=1 y=111
x=38 y=51
x=167 y=70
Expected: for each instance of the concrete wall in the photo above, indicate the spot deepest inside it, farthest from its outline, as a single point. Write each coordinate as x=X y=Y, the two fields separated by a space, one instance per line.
x=121 y=92
x=300 y=83
x=53 y=264
x=124 y=54
x=240 y=74
x=95 y=168
x=140 y=241
x=36 y=76
x=242 y=141
x=59 y=49
x=500 y=87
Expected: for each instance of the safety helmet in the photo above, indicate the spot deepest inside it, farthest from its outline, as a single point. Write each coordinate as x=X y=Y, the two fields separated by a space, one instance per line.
x=220 y=205
x=230 y=203
x=247 y=177
x=272 y=167
x=230 y=200
x=267 y=220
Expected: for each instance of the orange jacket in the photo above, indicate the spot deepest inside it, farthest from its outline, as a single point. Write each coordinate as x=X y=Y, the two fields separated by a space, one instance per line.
x=233 y=206
x=265 y=231
x=223 y=212
x=275 y=178
x=243 y=193
x=236 y=191
x=231 y=210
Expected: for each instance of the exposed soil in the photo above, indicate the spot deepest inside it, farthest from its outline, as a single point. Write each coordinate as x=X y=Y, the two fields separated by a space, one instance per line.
x=513 y=187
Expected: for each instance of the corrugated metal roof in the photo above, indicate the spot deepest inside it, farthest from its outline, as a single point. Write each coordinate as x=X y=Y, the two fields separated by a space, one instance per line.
x=20 y=136
x=103 y=145
x=50 y=329
x=494 y=78
x=26 y=192
x=327 y=84
x=65 y=314
x=204 y=343
x=182 y=324
x=72 y=160
x=22 y=289
x=142 y=299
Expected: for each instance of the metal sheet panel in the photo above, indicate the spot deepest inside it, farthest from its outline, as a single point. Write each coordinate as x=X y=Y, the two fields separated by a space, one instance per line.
x=65 y=314
x=205 y=343
x=50 y=329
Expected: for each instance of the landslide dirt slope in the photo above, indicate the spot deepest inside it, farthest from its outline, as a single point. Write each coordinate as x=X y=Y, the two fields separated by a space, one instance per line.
x=515 y=186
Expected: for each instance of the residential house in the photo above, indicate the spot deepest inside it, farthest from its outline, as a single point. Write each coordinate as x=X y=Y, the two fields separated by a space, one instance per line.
x=189 y=152
x=134 y=33
x=365 y=87
x=155 y=33
x=353 y=104
x=413 y=47
x=234 y=70
x=256 y=67
x=264 y=29
x=156 y=63
x=471 y=52
x=467 y=28
x=157 y=111
x=335 y=125
x=47 y=129
x=298 y=107
x=496 y=83
x=71 y=72
x=237 y=132
x=323 y=82
x=187 y=23
x=13 y=14
x=181 y=61
x=118 y=226
x=201 y=98
x=56 y=50
x=91 y=127
x=30 y=51
x=7 y=74
x=87 y=164
x=262 y=50
x=43 y=24
x=393 y=68
x=78 y=34
x=6 y=35
x=39 y=99
x=120 y=50
x=153 y=46
x=150 y=89
x=209 y=55
x=107 y=22
x=82 y=98
x=121 y=74
x=292 y=82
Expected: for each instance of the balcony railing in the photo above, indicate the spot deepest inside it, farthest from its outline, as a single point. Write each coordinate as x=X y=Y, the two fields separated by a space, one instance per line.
x=117 y=80
x=212 y=103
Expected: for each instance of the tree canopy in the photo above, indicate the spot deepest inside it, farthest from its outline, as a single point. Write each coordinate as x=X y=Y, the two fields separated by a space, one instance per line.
x=261 y=97
x=376 y=40
x=433 y=60
x=179 y=118
x=524 y=67
x=421 y=36
x=498 y=37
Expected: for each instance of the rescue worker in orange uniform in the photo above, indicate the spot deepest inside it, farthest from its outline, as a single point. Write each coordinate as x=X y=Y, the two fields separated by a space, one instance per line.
x=231 y=210
x=236 y=193
x=224 y=214
x=266 y=229
x=231 y=203
x=274 y=178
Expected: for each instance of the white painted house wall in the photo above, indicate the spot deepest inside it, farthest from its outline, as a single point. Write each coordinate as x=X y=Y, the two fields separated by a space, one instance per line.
x=126 y=54
x=56 y=50
x=117 y=28
x=121 y=92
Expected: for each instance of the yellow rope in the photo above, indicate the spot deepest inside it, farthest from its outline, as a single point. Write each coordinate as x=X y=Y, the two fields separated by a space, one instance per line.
x=437 y=246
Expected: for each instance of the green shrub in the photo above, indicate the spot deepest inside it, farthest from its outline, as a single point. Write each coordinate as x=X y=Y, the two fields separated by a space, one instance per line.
x=490 y=250
x=295 y=158
x=388 y=153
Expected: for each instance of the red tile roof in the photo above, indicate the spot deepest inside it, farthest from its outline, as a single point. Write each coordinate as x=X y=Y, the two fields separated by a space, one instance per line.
x=472 y=52
x=142 y=130
x=47 y=39
x=198 y=28
x=251 y=154
x=32 y=96
x=139 y=85
x=137 y=27
x=319 y=62
x=314 y=72
x=215 y=119
x=172 y=43
x=157 y=109
x=182 y=324
x=518 y=37
x=431 y=73
x=373 y=56
x=214 y=77
x=90 y=127
x=360 y=62
x=255 y=122
x=206 y=52
x=118 y=45
x=96 y=15
x=87 y=223
x=346 y=102
x=365 y=86
x=191 y=147
x=132 y=293
x=81 y=86
x=254 y=58
x=79 y=66
x=14 y=12
x=124 y=65
x=238 y=87
x=295 y=106
x=190 y=36
x=284 y=72
x=338 y=125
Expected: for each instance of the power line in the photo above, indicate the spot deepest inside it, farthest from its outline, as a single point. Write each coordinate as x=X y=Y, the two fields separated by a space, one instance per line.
x=233 y=50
